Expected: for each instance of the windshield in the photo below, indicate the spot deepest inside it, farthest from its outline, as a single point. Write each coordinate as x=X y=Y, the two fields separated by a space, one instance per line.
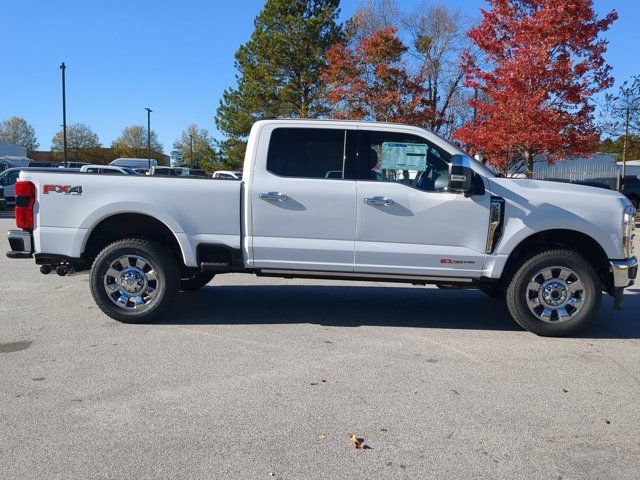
x=129 y=171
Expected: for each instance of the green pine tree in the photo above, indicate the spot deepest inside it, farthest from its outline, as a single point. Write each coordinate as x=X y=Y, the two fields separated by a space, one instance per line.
x=279 y=69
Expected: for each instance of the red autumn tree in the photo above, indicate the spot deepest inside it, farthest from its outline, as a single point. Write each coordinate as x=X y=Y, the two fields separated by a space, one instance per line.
x=370 y=81
x=544 y=61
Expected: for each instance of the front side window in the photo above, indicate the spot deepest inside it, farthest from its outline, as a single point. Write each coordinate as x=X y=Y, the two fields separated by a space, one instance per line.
x=402 y=158
x=307 y=153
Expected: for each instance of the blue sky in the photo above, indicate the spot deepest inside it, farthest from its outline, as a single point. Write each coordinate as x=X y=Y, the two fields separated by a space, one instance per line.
x=176 y=57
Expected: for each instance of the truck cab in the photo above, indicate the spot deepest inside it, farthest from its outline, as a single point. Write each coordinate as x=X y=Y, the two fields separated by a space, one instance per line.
x=341 y=200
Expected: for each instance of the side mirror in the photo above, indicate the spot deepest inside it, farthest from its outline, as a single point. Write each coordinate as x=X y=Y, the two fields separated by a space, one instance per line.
x=460 y=174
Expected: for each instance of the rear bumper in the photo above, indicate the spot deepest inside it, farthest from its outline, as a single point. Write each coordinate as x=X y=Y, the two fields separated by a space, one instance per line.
x=21 y=244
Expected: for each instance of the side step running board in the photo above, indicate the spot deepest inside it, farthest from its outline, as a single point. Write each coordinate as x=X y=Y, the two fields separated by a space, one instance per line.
x=220 y=267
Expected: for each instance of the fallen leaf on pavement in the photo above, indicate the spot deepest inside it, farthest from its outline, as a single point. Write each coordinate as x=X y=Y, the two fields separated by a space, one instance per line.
x=322 y=437
x=357 y=441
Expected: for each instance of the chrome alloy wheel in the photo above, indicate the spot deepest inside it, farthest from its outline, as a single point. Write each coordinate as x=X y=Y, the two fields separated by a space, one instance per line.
x=131 y=282
x=555 y=294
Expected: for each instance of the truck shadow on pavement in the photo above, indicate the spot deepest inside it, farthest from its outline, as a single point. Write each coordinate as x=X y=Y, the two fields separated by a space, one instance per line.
x=354 y=306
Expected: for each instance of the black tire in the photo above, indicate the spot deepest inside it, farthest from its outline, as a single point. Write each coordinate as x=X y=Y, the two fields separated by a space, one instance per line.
x=160 y=264
x=493 y=290
x=588 y=300
x=196 y=281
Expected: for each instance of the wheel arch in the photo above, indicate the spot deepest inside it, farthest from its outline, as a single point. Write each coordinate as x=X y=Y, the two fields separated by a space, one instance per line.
x=130 y=225
x=574 y=240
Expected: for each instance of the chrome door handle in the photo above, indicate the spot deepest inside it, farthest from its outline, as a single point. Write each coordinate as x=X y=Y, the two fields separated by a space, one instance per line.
x=273 y=197
x=381 y=201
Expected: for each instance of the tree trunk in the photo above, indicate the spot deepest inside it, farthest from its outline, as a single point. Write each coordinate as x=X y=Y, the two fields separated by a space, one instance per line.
x=528 y=159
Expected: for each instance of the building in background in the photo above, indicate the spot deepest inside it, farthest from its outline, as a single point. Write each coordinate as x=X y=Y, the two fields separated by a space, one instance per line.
x=99 y=156
x=599 y=168
x=12 y=156
x=11 y=150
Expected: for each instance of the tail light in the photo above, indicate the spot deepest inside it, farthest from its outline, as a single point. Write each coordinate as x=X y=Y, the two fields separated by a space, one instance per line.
x=25 y=200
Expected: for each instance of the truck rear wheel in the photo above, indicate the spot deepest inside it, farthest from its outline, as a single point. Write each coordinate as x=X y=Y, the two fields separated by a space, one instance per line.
x=195 y=281
x=555 y=293
x=134 y=280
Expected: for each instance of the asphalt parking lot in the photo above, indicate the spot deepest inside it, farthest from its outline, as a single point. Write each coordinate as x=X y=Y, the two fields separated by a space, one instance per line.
x=256 y=378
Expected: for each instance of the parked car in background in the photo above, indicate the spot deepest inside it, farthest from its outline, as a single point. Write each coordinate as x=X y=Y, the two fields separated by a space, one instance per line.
x=195 y=172
x=135 y=163
x=409 y=207
x=7 y=162
x=108 y=170
x=177 y=172
x=9 y=177
x=73 y=164
x=227 y=175
x=630 y=187
x=164 y=171
x=3 y=201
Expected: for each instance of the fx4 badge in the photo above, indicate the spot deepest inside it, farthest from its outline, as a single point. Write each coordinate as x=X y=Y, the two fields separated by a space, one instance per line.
x=63 y=189
x=458 y=262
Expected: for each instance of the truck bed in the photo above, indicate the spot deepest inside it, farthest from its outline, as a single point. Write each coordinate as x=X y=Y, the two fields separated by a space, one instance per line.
x=195 y=210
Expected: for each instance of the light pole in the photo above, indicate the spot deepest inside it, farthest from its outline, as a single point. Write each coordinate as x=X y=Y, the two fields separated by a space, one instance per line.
x=149 y=134
x=63 y=67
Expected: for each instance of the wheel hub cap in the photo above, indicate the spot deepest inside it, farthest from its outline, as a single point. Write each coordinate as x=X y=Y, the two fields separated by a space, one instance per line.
x=555 y=294
x=131 y=282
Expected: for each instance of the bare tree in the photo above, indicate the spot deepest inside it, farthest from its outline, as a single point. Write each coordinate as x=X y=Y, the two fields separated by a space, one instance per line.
x=16 y=130
x=437 y=38
x=621 y=115
x=132 y=142
x=371 y=17
x=80 y=140
x=194 y=148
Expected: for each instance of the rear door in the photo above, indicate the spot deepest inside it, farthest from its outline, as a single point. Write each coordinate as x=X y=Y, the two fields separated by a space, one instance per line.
x=408 y=223
x=303 y=198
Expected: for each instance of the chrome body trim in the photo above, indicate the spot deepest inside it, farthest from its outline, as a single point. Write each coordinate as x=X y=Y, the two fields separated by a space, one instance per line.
x=273 y=197
x=379 y=201
x=496 y=221
x=624 y=272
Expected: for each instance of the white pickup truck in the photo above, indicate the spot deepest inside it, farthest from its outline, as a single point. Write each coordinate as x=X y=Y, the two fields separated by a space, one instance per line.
x=338 y=200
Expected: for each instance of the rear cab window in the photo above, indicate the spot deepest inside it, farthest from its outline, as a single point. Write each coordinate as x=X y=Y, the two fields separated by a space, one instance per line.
x=318 y=153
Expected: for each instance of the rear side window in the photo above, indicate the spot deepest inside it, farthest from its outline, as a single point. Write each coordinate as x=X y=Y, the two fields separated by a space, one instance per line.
x=307 y=153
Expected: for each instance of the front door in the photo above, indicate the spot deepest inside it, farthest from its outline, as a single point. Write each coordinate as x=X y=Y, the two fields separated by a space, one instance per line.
x=304 y=202
x=407 y=221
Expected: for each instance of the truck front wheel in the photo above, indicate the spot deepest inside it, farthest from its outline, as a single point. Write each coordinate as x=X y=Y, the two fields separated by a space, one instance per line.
x=134 y=280
x=555 y=293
